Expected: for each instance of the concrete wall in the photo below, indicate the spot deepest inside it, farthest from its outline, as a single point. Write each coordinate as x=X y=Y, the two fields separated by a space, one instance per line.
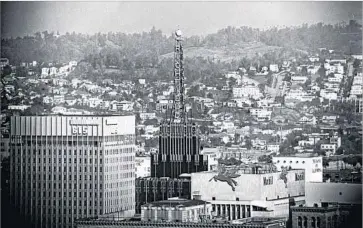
x=313 y=166
x=333 y=193
x=249 y=187
x=72 y=125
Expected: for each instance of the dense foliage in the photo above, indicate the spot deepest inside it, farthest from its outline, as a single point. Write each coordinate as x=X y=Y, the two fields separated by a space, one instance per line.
x=127 y=51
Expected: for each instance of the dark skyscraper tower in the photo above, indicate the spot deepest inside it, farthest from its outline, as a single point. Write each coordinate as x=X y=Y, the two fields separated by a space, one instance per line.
x=179 y=141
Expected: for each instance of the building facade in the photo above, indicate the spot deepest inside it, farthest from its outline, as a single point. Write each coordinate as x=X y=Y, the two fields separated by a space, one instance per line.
x=325 y=194
x=313 y=166
x=314 y=217
x=249 y=193
x=179 y=140
x=256 y=223
x=176 y=210
x=151 y=189
x=329 y=205
x=179 y=151
x=142 y=166
x=68 y=167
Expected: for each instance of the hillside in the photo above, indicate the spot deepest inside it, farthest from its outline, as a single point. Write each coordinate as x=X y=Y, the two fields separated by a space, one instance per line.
x=227 y=53
x=148 y=49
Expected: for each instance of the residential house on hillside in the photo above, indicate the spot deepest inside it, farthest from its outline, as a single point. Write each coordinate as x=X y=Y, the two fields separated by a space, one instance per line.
x=308 y=120
x=58 y=99
x=60 y=82
x=82 y=94
x=112 y=93
x=275 y=148
x=313 y=69
x=328 y=94
x=247 y=91
x=59 y=110
x=53 y=71
x=70 y=100
x=334 y=68
x=314 y=59
x=259 y=144
x=75 y=83
x=328 y=148
x=45 y=72
x=47 y=100
x=122 y=106
x=242 y=102
x=298 y=79
x=274 y=68
x=105 y=105
x=147 y=115
x=93 y=102
x=329 y=119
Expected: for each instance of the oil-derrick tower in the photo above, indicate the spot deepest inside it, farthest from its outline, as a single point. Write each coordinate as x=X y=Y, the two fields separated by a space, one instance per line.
x=179 y=140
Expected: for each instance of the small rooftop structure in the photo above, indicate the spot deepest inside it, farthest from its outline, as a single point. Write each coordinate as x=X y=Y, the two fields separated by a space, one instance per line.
x=260 y=221
x=176 y=202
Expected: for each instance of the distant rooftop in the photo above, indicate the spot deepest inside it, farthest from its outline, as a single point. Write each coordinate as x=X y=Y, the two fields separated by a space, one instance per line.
x=259 y=220
x=176 y=203
x=299 y=155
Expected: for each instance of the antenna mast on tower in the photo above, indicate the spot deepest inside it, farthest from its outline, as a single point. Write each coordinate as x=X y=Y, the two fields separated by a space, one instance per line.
x=178 y=106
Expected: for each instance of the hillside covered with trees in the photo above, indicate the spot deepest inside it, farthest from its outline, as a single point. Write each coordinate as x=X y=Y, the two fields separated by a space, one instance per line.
x=140 y=55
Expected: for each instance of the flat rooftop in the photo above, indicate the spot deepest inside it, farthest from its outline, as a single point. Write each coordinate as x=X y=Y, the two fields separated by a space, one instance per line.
x=176 y=203
x=259 y=220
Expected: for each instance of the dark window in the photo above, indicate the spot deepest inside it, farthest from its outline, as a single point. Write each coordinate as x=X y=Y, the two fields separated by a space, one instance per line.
x=213 y=198
x=237 y=199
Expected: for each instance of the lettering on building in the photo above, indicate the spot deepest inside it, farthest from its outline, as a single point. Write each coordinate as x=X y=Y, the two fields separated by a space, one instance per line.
x=84 y=122
x=79 y=130
x=317 y=170
x=267 y=180
x=299 y=176
x=316 y=161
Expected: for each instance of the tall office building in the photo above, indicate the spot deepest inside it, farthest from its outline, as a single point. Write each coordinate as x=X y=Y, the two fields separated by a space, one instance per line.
x=67 y=167
x=179 y=140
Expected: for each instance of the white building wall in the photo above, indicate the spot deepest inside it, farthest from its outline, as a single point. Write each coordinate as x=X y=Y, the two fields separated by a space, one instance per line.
x=343 y=193
x=313 y=166
x=142 y=166
x=83 y=141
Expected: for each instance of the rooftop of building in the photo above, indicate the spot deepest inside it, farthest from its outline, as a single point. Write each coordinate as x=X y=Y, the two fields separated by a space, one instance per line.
x=299 y=155
x=259 y=220
x=85 y=115
x=176 y=202
x=264 y=221
x=254 y=168
x=315 y=209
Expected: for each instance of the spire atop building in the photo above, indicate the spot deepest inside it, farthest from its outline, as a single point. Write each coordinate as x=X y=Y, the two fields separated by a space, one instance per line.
x=179 y=115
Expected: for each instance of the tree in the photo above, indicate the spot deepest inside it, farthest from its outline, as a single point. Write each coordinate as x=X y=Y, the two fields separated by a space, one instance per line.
x=151 y=122
x=194 y=91
x=6 y=71
x=356 y=63
x=265 y=159
x=322 y=71
x=339 y=151
x=248 y=143
x=232 y=82
x=137 y=118
x=304 y=71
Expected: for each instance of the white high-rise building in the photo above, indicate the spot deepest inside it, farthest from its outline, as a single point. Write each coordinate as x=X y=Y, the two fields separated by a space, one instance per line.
x=68 y=167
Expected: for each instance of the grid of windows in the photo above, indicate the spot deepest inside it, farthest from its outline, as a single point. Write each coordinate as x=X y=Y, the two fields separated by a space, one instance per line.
x=52 y=172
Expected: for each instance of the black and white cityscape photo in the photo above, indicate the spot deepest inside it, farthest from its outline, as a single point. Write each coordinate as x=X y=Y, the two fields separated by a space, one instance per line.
x=181 y=114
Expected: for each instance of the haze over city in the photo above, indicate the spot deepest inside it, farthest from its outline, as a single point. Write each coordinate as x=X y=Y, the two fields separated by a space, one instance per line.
x=195 y=18
x=181 y=114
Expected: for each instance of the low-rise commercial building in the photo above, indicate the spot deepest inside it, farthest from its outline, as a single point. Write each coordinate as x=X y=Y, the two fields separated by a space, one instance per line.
x=249 y=191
